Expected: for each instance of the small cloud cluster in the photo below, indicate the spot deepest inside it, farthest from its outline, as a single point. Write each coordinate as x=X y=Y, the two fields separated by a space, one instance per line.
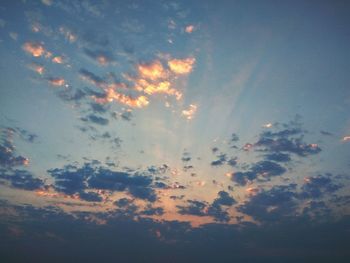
x=215 y=209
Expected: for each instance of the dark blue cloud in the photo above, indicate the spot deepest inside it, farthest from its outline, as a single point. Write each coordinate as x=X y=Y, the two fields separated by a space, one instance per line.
x=318 y=186
x=275 y=204
x=153 y=211
x=215 y=209
x=263 y=169
x=21 y=179
x=289 y=140
x=278 y=157
x=72 y=180
x=98 y=108
x=194 y=208
x=96 y=119
x=224 y=199
x=220 y=161
x=90 y=196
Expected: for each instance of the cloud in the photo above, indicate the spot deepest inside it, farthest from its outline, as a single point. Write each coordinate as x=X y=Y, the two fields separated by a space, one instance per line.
x=112 y=95
x=57 y=60
x=57 y=81
x=73 y=180
x=38 y=68
x=152 y=71
x=21 y=179
x=194 y=208
x=262 y=169
x=68 y=34
x=346 y=138
x=318 y=186
x=181 y=66
x=278 y=157
x=224 y=199
x=102 y=57
x=70 y=94
x=153 y=211
x=215 y=210
x=288 y=140
x=34 y=48
x=47 y=2
x=220 y=161
x=189 y=29
x=8 y=156
x=190 y=112
x=275 y=204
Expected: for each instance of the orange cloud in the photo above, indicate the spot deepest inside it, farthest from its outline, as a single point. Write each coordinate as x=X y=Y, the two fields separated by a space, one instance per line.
x=57 y=59
x=112 y=95
x=160 y=87
x=35 y=49
x=189 y=29
x=189 y=113
x=57 y=81
x=152 y=71
x=181 y=66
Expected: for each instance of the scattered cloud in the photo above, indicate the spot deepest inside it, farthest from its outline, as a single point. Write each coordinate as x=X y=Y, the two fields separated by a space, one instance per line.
x=190 y=112
x=181 y=66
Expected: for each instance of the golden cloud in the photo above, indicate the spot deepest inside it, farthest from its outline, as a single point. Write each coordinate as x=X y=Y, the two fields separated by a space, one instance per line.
x=181 y=66
x=152 y=71
x=112 y=95
x=35 y=49
x=189 y=113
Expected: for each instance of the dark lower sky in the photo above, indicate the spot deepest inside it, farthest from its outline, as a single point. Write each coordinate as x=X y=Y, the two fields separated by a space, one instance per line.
x=174 y=131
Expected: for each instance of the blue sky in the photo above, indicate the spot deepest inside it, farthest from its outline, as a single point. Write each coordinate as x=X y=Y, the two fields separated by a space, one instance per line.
x=175 y=117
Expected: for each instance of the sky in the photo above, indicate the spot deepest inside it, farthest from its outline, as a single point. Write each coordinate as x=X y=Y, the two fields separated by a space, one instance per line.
x=178 y=131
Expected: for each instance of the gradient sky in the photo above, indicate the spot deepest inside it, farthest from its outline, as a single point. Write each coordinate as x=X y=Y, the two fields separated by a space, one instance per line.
x=178 y=131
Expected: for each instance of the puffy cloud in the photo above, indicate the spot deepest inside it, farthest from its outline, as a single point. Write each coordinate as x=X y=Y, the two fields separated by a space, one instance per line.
x=181 y=66
x=220 y=161
x=72 y=180
x=152 y=71
x=215 y=210
x=274 y=204
x=317 y=186
x=149 y=211
x=262 y=169
x=57 y=59
x=8 y=156
x=21 y=179
x=224 y=199
x=189 y=113
x=289 y=140
x=35 y=49
x=189 y=29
